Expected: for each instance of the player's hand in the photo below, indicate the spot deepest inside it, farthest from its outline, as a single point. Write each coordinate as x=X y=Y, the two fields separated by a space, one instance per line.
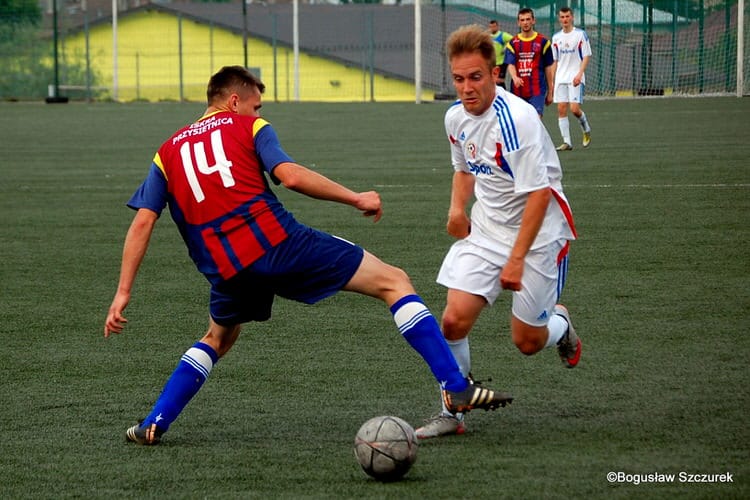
x=518 y=81
x=370 y=205
x=459 y=225
x=510 y=278
x=115 y=320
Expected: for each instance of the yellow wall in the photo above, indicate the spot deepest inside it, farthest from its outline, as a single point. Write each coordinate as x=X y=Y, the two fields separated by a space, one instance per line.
x=149 y=68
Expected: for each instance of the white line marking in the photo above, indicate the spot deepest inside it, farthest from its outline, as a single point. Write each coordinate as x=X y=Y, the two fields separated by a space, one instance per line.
x=656 y=186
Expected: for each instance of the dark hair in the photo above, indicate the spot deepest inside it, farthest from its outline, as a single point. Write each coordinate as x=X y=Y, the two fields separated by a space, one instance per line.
x=565 y=9
x=232 y=79
x=527 y=10
x=470 y=39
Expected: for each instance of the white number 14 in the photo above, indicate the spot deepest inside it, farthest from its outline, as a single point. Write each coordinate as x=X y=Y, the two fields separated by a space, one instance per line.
x=222 y=165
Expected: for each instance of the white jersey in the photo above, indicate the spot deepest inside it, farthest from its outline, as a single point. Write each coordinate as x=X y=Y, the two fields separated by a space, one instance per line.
x=569 y=49
x=510 y=153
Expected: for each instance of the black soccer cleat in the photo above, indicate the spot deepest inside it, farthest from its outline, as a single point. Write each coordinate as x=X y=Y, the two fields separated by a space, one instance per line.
x=474 y=397
x=144 y=434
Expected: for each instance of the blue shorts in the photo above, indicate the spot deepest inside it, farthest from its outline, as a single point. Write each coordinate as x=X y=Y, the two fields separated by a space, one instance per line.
x=308 y=266
x=538 y=102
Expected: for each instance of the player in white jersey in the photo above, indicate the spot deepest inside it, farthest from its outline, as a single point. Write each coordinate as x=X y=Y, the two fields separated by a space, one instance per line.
x=572 y=51
x=520 y=226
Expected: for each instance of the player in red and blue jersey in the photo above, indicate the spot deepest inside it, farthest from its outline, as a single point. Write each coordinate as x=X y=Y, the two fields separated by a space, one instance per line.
x=213 y=175
x=531 y=63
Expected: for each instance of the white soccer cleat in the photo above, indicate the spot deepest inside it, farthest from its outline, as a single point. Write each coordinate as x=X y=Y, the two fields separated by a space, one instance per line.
x=569 y=346
x=441 y=425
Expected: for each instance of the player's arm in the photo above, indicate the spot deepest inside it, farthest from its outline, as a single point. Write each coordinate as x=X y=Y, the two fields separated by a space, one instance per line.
x=134 y=249
x=531 y=222
x=550 y=66
x=581 y=70
x=308 y=182
x=510 y=60
x=459 y=224
x=301 y=179
x=511 y=70
x=549 y=73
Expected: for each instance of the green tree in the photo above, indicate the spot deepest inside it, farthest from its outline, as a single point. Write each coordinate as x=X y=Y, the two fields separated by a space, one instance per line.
x=20 y=12
x=26 y=60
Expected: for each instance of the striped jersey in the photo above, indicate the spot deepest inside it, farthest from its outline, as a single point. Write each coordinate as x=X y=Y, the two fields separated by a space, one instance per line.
x=569 y=49
x=530 y=57
x=212 y=174
x=510 y=154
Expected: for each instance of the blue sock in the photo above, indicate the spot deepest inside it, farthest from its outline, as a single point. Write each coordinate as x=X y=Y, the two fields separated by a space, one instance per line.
x=421 y=330
x=183 y=384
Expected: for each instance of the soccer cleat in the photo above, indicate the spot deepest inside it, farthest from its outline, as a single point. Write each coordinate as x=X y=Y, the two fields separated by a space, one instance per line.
x=564 y=147
x=474 y=397
x=569 y=346
x=586 y=139
x=441 y=425
x=144 y=434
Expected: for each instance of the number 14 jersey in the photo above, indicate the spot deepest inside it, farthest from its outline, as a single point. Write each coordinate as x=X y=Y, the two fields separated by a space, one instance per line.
x=211 y=173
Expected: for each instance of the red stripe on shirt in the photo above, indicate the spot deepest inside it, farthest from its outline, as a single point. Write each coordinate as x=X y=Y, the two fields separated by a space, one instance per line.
x=567 y=212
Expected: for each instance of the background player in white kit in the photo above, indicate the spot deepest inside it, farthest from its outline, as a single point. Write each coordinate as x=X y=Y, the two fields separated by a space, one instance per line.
x=572 y=51
x=521 y=224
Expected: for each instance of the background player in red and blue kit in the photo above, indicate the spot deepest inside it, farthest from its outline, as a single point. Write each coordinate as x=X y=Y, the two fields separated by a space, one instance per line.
x=531 y=63
x=212 y=174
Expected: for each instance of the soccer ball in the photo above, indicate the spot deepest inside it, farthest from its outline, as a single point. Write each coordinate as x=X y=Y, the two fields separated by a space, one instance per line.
x=386 y=447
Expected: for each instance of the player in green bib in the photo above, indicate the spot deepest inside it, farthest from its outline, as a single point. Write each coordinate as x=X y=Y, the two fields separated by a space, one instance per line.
x=499 y=39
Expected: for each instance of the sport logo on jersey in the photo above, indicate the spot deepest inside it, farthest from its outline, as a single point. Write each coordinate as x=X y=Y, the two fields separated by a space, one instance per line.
x=567 y=48
x=476 y=168
x=479 y=169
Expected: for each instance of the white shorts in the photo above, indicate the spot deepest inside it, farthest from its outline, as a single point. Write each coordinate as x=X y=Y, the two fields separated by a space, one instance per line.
x=566 y=92
x=476 y=270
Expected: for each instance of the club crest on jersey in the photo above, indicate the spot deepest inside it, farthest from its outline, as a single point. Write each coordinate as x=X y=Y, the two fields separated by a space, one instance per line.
x=471 y=150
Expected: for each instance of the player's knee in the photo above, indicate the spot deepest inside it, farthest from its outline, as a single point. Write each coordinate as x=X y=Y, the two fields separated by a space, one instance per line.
x=528 y=340
x=527 y=347
x=398 y=277
x=396 y=280
x=454 y=326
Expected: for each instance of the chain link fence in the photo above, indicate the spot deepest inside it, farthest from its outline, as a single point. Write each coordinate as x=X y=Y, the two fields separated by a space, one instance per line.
x=353 y=52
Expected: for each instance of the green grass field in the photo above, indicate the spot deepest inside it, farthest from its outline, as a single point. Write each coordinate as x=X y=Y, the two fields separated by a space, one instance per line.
x=658 y=289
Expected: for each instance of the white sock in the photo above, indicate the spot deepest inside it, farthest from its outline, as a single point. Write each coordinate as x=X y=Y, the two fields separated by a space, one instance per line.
x=462 y=353
x=584 y=122
x=557 y=326
x=564 y=129
x=460 y=350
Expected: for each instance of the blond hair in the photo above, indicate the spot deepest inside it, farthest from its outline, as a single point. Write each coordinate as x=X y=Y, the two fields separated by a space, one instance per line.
x=471 y=39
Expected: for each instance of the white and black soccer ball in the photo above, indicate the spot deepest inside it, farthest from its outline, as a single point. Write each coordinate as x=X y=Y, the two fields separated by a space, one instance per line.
x=386 y=447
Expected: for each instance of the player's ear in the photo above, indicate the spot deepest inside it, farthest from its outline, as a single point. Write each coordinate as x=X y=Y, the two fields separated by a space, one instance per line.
x=234 y=102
